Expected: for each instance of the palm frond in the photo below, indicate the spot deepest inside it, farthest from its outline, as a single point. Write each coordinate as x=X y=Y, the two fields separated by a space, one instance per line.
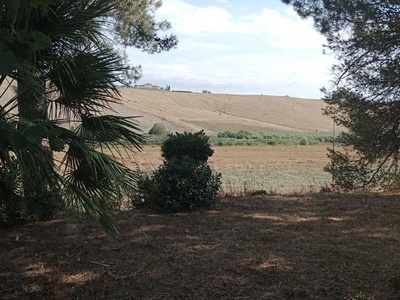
x=74 y=22
x=86 y=79
x=26 y=143
x=94 y=181
x=74 y=194
x=112 y=131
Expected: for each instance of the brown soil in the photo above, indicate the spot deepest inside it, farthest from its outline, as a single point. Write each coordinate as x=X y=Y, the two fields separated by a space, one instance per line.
x=319 y=247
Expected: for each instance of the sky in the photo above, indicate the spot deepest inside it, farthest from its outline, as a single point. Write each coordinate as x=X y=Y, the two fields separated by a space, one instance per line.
x=238 y=47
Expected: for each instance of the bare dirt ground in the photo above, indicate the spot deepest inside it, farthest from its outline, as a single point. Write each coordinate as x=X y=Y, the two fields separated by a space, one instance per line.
x=282 y=247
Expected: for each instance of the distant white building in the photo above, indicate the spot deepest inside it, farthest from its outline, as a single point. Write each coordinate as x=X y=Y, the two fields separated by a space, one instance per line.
x=148 y=86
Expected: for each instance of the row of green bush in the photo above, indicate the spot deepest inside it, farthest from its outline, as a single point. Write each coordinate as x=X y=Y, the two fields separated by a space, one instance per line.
x=246 y=138
x=301 y=140
x=243 y=137
x=262 y=135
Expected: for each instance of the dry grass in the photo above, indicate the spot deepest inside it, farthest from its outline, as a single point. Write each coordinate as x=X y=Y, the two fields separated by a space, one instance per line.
x=220 y=112
x=283 y=169
x=319 y=247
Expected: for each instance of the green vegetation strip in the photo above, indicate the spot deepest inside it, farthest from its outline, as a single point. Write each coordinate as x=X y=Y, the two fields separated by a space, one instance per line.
x=246 y=138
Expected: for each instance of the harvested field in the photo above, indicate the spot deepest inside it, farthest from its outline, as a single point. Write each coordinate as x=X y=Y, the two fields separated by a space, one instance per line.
x=219 y=112
x=282 y=169
x=281 y=247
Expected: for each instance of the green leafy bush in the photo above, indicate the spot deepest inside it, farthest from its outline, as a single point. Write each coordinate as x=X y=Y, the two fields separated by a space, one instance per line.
x=145 y=191
x=273 y=142
x=243 y=134
x=185 y=181
x=304 y=141
x=184 y=184
x=43 y=207
x=158 y=129
x=195 y=145
x=15 y=207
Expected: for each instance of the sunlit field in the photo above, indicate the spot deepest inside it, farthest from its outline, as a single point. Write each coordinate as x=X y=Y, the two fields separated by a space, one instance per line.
x=275 y=169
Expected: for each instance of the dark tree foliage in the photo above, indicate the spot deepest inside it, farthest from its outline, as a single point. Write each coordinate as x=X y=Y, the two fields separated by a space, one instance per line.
x=184 y=184
x=134 y=25
x=195 y=145
x=365 y=38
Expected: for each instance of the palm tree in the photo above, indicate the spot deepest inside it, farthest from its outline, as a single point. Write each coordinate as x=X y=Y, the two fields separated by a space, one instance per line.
x=66 y=73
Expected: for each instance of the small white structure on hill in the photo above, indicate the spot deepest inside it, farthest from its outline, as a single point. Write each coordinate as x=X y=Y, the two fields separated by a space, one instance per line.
x=147 y=86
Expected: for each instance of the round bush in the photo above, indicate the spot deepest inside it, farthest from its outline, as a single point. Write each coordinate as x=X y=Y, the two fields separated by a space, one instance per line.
x=183 y=184
x=195 y=145
x=304 y=141
x=158 y=129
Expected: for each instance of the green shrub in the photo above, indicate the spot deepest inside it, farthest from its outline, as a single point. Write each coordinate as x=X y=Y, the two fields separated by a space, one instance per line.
x=10 y=207
x=195 y=145
x=243 y=134
x=272 y=142
x=184 y=184
x=43 y=207
x=158 y=129
x=226 y=134
x=15 y=207
x=145 y=192
x=304 y=141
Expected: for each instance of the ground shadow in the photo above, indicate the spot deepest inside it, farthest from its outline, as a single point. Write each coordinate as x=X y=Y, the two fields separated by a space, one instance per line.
x=319 y=247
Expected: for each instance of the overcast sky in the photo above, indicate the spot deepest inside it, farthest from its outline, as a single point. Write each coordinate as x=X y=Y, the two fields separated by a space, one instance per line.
x=238 y=47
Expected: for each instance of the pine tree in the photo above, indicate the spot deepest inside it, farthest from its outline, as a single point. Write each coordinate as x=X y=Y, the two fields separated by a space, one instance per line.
x=364 y=36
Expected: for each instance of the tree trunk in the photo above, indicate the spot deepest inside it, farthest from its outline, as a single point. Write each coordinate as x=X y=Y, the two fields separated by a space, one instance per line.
x=32 y=106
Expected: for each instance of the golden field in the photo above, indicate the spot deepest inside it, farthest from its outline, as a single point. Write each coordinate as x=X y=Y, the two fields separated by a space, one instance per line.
x=281 y=169
x=180 y=111
x=276 y=169
x=273 y=168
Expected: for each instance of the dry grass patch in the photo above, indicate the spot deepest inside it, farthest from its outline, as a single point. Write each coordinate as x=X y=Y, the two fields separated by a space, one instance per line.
x=320 y=247
x=282 y=169
x=220 y=112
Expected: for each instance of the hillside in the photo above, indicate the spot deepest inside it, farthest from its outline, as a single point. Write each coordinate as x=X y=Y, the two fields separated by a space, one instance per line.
x=219 y=112
x=180 y=111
